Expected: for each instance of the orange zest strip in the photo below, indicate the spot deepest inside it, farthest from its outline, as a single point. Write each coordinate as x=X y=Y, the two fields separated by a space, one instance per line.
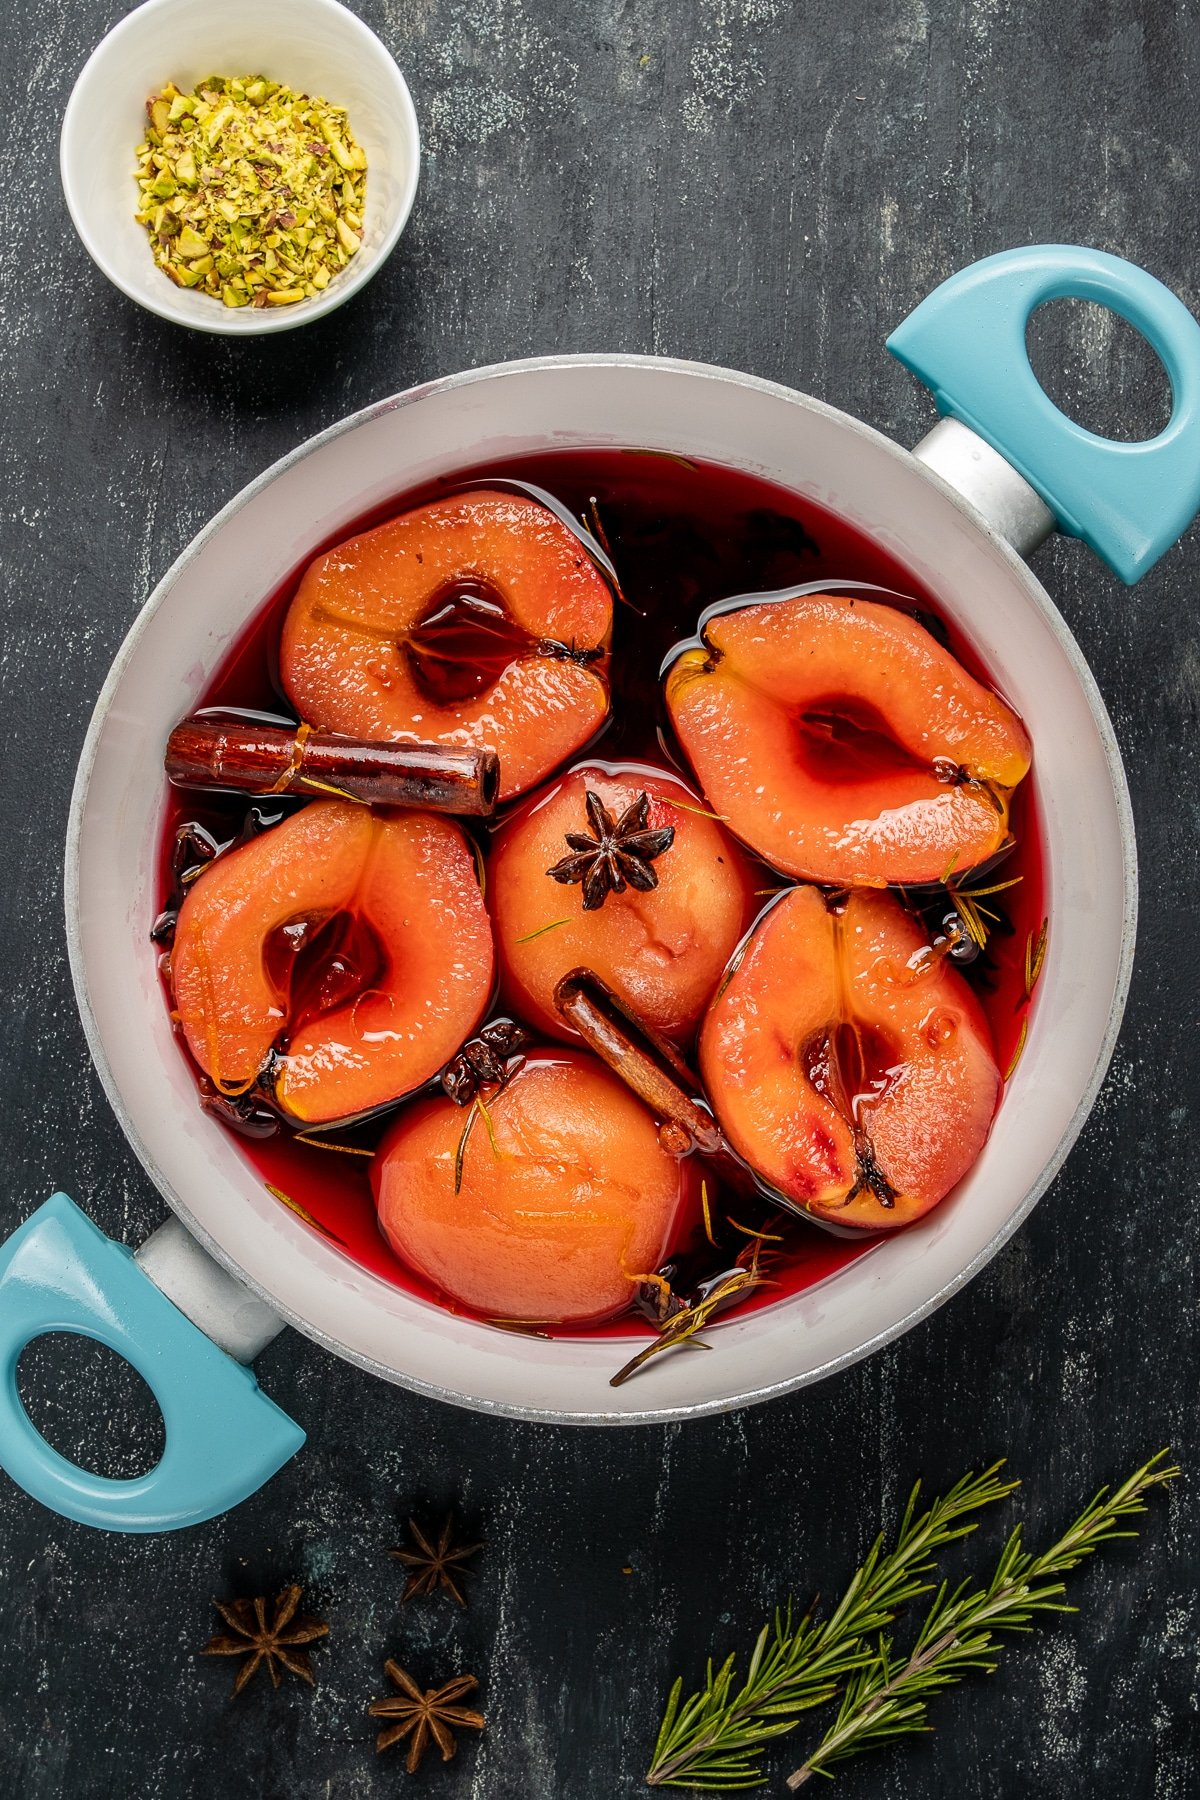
x=303 y=733
x=233 y=1090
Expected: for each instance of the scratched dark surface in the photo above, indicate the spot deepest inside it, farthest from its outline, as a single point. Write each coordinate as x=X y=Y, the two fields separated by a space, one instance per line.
x=753 y=183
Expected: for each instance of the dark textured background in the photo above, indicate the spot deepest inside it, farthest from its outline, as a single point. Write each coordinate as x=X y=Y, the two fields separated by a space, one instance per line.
x=753 y=183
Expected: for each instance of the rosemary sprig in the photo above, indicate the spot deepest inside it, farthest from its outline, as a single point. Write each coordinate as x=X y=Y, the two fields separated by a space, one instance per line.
x=1035 y=956
x=975 y=916
x=477 y=1109
x=541 y=930
x=681 y=1327
x=301 y=1212
x=887 y=1698
x=715 y=1739
x=701 y=812
x=1018 y=1050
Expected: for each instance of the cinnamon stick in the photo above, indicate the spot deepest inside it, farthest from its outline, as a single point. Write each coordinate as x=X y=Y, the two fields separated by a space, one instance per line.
x=266 y=759
x=643 y=1060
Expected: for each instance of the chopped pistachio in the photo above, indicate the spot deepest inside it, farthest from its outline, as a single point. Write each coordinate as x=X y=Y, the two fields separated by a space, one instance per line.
x=190 y=244
x=250 y=192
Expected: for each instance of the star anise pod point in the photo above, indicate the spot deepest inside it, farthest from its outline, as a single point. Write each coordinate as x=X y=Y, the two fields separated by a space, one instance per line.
x=616 y=854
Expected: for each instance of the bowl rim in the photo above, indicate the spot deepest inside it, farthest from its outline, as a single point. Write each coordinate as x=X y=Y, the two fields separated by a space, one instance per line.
x=228 y=322
x=1036 y=595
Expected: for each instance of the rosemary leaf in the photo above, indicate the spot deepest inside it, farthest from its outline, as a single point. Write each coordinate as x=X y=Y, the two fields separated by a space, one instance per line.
x=887 y=1698
x=716 y=1737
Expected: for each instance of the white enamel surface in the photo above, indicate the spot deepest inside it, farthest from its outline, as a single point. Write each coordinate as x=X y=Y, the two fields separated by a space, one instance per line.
x=315 y=46
x=494 y=414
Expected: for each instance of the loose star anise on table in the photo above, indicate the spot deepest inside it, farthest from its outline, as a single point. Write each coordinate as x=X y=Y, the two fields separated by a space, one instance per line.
x=613 y=856
x=483 y=1059
x=432 y=1566
x=271 y=1639
x=424 y=1717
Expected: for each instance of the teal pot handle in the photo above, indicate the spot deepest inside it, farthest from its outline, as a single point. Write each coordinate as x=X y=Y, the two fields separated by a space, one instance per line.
x=1129 y=502
x=224 y=1437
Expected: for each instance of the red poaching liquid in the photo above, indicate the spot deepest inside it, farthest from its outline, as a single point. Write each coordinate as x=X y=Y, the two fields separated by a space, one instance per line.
x=683 y=535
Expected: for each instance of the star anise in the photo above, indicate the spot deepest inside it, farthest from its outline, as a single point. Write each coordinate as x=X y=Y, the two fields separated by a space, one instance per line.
x=613 y=856
x=423 y=1717
x=432 y=1566
x=262 y=1639
x=483 y=1059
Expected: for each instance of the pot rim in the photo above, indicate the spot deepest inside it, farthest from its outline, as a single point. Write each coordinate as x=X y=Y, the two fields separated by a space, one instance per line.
x=1037 y=597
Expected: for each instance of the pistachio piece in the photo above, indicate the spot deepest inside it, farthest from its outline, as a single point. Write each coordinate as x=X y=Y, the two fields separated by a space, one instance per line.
x=190 y=244
x=250 y=192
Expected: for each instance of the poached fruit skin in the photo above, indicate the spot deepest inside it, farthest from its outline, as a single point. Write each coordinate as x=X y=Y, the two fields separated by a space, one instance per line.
x=409 y=879
x=662 y=951
x=555 y=1220
x=840 y=1051
x=914 y=775
x=348 y=652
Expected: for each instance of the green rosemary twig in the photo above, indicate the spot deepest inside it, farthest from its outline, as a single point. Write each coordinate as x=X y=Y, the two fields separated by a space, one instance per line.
x=886 y=1699
x=716 y=1737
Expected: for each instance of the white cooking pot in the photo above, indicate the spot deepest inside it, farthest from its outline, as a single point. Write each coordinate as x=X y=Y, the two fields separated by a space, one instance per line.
x=232 y=1263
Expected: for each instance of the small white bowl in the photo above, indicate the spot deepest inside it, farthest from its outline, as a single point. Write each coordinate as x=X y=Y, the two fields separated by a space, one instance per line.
x=314 y=46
